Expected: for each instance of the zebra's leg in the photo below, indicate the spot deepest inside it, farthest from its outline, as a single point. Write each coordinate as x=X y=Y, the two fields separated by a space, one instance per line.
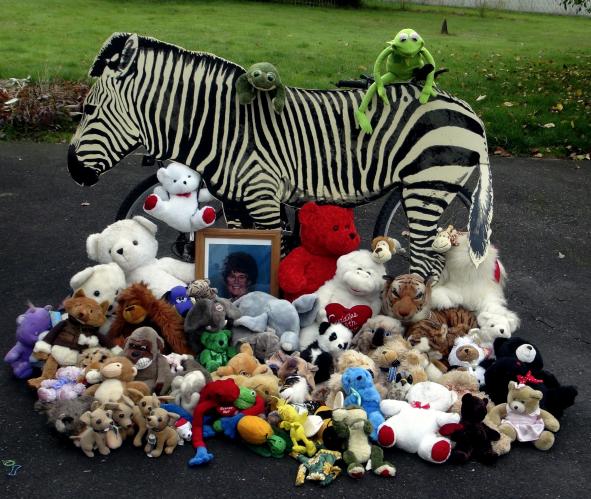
x=423 y=210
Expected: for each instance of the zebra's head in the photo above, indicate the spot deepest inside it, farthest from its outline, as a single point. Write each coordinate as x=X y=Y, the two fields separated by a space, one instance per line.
x=108 y=130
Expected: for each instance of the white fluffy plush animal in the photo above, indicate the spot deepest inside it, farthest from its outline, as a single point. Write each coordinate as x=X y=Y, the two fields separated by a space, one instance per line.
x=357 y=281
x=412 y=426
x=467 y=354
x=176 y=201
x=491 y=327
x=101 y=283
x=131 y=245
x=185 y=389
x=479 y=289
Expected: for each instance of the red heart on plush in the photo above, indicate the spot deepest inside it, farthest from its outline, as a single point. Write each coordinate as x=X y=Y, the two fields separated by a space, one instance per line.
x=352 y=318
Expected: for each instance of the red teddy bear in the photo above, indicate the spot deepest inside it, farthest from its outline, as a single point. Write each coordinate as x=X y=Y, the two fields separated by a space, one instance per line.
x=326 y=232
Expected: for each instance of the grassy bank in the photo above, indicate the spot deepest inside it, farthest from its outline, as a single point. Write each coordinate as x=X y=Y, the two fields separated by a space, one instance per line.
x=532 y=69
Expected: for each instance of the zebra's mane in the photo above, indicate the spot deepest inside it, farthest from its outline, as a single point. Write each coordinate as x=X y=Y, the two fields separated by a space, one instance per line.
x=116 y=42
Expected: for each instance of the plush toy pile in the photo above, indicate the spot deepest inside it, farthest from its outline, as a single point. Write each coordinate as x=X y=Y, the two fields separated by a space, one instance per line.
x=353 y=362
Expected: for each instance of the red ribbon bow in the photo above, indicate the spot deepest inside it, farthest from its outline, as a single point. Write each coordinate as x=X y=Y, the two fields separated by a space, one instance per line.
x=416 y=404
x=528 y=378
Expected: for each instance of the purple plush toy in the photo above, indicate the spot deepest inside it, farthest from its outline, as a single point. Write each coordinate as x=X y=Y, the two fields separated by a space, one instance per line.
x=177 y=296
x=29 y=325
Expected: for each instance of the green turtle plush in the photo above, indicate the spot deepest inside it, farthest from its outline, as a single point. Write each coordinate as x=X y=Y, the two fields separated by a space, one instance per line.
x=406 y=58
x=261 y=76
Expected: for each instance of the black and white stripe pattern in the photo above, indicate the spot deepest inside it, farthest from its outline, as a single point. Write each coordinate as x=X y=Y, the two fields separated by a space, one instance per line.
x=181 y=105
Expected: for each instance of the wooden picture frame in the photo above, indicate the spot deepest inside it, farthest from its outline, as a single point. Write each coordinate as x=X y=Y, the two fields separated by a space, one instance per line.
x=229 y=270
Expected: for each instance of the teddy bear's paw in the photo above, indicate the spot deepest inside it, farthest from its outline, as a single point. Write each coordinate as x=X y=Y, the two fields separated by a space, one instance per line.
x=440 y=451
x=151 y=202
x=356 y=470
x=208 y=215
x=386 y=436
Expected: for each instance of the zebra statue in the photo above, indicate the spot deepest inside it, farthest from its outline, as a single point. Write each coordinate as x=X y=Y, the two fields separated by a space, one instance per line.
x=182 y=105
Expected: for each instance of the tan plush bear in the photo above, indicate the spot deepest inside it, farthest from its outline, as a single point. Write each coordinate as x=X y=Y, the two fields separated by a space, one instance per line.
x=244 y=363
x=522 y=419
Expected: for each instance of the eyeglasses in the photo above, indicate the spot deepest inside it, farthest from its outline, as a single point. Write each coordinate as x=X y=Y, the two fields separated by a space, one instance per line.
x=237 y=276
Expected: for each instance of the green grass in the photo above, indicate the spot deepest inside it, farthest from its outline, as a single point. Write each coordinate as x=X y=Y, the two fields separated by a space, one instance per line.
x=532 y=61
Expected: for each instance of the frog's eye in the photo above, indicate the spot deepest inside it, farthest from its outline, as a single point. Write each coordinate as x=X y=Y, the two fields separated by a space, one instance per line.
x=403 y=37
x=256 y=74
x=414 y=36
x=270 y=77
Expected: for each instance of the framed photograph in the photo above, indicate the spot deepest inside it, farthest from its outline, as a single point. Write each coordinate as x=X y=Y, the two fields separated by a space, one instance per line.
x=238 y=261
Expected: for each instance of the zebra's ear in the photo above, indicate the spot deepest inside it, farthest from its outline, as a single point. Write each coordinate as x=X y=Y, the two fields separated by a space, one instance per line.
x=128 y=55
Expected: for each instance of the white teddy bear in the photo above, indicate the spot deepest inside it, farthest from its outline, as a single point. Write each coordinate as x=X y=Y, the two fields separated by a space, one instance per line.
x=492 y=326
x=412 y=426
x=358 y=281
x=176 y=201
x=131 y=245
x=462 y=284
x=101 y=283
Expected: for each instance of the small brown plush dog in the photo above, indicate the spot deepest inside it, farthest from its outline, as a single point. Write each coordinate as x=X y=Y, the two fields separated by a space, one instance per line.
x=98 y=433
x=141 y=411
x=161 y=436
x=122 y=412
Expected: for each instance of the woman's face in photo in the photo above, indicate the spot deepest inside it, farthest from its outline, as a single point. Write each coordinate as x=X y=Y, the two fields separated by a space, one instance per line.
x=237 y=283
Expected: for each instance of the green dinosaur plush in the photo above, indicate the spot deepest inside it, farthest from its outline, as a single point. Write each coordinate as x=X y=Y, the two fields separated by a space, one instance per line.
x=217 y=350
x=352 y=424
x=261 y=76
x=406 y=58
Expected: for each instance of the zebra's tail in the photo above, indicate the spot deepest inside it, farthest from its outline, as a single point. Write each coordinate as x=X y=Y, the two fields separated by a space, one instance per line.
x=481 y=213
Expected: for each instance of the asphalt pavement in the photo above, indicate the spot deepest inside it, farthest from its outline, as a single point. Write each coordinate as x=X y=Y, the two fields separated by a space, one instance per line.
x=542 y=225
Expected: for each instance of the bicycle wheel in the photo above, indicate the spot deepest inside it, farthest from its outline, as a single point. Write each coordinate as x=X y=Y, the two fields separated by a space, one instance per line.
x=392 y=222
x=170 y=241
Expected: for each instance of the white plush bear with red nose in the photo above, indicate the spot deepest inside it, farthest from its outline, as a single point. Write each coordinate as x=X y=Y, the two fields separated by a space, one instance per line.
x=176 y=201
x=132 y=245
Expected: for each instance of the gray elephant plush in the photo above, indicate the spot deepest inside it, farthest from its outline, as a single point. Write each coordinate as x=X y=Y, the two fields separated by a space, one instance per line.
x=208 y=315
x=264 y=344
x=261 y=311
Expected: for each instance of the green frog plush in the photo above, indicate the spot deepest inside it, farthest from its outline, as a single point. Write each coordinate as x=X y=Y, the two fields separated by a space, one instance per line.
x=406 y=58
x=261 y=76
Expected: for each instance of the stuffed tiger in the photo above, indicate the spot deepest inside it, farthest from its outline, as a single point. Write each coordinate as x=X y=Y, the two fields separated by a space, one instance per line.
x=406 y=297
x=436 y=334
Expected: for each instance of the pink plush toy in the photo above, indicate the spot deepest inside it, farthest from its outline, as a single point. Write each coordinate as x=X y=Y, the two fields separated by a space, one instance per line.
x=63 y=387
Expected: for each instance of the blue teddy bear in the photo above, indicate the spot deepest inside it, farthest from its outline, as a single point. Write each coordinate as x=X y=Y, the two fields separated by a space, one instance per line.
x=360 y=390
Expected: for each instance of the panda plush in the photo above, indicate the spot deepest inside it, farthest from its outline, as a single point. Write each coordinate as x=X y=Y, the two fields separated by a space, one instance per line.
x=332 y=339
x=519 y=360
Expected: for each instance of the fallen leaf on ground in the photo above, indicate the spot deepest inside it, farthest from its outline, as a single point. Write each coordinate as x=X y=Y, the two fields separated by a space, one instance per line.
x=549 y=125
x=499 y=151
x=508 y=104
x=480 y=97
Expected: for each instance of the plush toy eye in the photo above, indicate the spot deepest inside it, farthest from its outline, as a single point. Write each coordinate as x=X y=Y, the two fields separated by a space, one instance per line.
x=270 y=77
x=174 y=181
x=160 y=420
x=135 y=243
x=121 y=415
x=414 y=36
x=419 y=294
x=256 y=74
x=143 y=404
x=394 y=292
x=335 y=227
x=109 y=251
x=96 y=293
x=403 y=37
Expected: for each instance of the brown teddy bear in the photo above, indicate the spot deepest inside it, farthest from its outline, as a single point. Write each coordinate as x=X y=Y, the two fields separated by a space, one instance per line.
x=522 y=419
x=462 y=382
x=244 y=363
x=118 y=374
x=137 y=307
x=64 y=342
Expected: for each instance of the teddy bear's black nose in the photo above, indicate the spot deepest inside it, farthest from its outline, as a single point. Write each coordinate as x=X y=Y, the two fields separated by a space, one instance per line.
x=120 y=251
x=221 y=342
x=98 y=421
x=502 y=331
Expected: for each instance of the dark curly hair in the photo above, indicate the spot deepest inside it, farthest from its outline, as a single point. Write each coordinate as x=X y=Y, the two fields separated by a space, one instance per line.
x=241 y=262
